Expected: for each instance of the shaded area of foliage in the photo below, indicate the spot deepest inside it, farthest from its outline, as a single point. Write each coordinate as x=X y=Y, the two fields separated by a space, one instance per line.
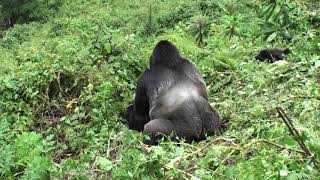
x=24 y=11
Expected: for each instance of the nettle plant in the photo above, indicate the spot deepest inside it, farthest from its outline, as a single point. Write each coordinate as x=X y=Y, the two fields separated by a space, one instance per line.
x=200 y=27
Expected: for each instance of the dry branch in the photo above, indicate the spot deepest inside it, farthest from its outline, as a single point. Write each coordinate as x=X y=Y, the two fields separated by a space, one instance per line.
x=296 y=135
x=293 y=131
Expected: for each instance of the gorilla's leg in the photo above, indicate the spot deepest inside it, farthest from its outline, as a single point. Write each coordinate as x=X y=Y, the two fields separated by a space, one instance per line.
x=156 y=129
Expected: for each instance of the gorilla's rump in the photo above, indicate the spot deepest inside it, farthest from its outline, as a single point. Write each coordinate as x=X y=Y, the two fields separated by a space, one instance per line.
x=190 y=114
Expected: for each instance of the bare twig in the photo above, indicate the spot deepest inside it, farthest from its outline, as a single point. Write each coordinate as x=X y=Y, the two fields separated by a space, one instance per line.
x=293 y=131
x=273 y=144
x=228 y=156
x=296 y=135
x=208 y=144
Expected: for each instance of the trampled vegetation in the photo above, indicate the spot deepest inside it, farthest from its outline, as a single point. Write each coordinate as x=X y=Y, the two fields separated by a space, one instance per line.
x=68 y=70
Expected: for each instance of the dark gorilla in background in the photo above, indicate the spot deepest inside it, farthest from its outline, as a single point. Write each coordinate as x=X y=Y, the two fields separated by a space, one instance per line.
x=272 y=55
x=171 y=99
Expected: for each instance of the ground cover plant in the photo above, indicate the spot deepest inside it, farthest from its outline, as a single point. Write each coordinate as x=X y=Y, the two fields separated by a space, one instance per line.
x=68 y=71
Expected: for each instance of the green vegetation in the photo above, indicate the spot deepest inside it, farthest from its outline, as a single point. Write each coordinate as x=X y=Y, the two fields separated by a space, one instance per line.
x=68 y=70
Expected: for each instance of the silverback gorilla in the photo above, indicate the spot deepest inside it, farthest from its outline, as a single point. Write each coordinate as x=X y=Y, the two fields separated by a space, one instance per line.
x=272 y=55
x=171 y=99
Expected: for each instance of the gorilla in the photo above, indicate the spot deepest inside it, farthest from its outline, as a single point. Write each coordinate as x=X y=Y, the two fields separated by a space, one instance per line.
x=171 y=99
x=272 y=55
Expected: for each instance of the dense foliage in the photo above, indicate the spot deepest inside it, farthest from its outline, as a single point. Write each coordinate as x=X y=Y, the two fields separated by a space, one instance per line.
x=69 y=68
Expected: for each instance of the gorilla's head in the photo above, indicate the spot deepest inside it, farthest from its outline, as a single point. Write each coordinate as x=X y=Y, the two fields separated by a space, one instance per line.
x=165 y=53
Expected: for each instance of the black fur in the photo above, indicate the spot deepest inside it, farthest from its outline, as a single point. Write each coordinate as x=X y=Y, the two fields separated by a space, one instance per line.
x=171 y=99
x=272 y=55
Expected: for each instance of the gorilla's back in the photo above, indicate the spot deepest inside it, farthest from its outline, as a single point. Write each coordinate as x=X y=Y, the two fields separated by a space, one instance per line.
x=169 y=100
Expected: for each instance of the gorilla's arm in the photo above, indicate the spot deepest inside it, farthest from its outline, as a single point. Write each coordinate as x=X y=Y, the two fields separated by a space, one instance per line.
x=141 y=106
x=191 y=71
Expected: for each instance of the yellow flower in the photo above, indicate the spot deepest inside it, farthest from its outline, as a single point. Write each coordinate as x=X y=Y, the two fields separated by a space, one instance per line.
x=90 y=87
x=70 y=103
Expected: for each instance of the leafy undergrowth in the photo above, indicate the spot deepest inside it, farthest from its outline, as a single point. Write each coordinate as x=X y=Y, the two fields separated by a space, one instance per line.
x=65 y=83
